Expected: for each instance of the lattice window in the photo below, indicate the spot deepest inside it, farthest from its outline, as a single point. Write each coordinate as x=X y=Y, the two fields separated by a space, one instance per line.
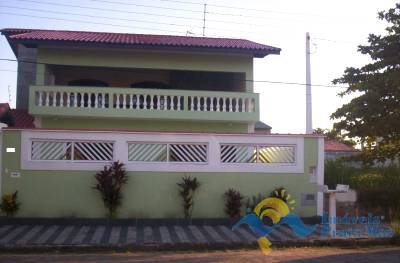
x=93 y=151
x=147 y=152
x=51 y=150
x=167 y=152
x=238 y=154
x=193 y=153
x=70 y=150
x=276 y=154
x=231 y=153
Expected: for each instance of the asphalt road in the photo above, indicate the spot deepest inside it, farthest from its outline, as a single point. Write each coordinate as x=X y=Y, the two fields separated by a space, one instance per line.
x=279 y=255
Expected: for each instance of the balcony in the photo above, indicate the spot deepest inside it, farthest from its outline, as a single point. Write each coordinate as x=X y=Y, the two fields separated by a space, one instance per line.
x=136 y=103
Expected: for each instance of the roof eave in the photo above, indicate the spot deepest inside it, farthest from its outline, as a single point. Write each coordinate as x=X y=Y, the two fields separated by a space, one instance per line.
x=254 y=53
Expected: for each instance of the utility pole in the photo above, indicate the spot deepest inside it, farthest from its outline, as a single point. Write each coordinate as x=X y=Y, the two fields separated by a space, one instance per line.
x=204 y=20
x=309 y=129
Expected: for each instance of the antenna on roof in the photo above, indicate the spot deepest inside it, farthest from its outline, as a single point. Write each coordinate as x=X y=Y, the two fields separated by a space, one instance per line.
x=204 y=20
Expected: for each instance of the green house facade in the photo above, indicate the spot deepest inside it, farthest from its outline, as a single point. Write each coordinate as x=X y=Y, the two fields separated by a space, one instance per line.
x=165 y=106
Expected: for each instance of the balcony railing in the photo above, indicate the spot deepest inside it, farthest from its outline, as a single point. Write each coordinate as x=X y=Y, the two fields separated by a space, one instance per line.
x=144 y=103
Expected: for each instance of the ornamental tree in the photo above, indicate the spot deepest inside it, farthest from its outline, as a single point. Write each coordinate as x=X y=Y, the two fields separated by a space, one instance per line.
x=374 y=116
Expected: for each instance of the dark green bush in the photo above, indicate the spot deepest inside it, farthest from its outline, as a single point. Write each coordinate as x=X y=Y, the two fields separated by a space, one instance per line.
x=187 y=188
x=9 y=204
x=233 y=203
x=109 y=183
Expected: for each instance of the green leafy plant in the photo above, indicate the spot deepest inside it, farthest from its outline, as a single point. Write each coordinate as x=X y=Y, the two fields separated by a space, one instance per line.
x=109 y=183
x=9 y=204
x=187 y=188
x=233 y=203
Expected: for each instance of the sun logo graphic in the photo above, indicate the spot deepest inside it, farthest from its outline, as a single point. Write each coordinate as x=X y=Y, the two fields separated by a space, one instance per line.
x=269 y=214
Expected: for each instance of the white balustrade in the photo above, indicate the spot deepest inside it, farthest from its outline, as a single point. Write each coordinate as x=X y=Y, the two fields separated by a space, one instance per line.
x=140 y=101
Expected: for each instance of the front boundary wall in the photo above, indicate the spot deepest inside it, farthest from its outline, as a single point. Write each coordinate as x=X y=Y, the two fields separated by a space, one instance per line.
x=64 y=188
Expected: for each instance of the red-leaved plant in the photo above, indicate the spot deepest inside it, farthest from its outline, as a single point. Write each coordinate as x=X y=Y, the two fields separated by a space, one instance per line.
x=109 y=183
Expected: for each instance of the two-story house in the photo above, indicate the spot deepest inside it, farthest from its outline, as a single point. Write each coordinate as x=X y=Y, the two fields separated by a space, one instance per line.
x=165 y=106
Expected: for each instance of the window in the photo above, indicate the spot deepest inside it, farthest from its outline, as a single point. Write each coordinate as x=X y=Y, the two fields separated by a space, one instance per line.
x=231 y=153
x=70 y=150
x=167 y=152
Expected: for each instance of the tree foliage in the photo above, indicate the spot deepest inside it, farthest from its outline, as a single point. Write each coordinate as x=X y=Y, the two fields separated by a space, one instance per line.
x=374 y=116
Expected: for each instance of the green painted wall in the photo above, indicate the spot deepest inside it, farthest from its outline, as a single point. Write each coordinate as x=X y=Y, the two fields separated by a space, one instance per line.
x=142 y=125
x=147 y=195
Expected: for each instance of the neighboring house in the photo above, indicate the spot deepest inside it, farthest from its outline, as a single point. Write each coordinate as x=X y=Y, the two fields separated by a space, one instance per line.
x=165 y=106
x=335 y=149
x=261 y=127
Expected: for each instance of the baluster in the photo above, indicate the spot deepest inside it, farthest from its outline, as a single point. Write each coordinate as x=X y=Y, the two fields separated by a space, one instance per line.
x=89 y=104
x=165 y=107
x=82 y=99
x=217 y=106
x=151 y=102
x=117 y=101
x=198 y=103
x=230 y=105
x=68 y=99
x=236 y=104
x=223 y=104
x=205 y=99
x=243 y=105
x=172 y=103
x=75 y=100
x=124 y=101
x=191 y=107
x=96 y=100
x=158 y=102
x=40 y=93
x=62 y=99
x=47 y=98
x=179 y=103
x=212 y=104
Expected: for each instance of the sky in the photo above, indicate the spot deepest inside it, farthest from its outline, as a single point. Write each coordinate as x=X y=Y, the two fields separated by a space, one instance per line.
x=336 y=29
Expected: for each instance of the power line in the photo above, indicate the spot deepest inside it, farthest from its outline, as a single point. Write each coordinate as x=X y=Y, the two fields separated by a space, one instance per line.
x=151 y=6
x=108 y=9
x=144 y=13
x=247 y=80
x=90 y=22
x=103 y=17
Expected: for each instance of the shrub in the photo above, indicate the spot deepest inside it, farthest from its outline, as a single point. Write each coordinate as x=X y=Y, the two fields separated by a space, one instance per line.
x=233 y=203
x=9 y=204
x=109 y=183
x=186 y=190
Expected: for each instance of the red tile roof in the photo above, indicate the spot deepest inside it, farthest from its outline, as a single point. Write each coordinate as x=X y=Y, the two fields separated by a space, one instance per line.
x=140 y=40
x=22 y=119
x=336 y=146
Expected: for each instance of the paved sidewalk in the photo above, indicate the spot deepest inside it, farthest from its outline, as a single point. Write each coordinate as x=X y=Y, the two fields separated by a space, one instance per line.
x=137 y=236
x=127 y=235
